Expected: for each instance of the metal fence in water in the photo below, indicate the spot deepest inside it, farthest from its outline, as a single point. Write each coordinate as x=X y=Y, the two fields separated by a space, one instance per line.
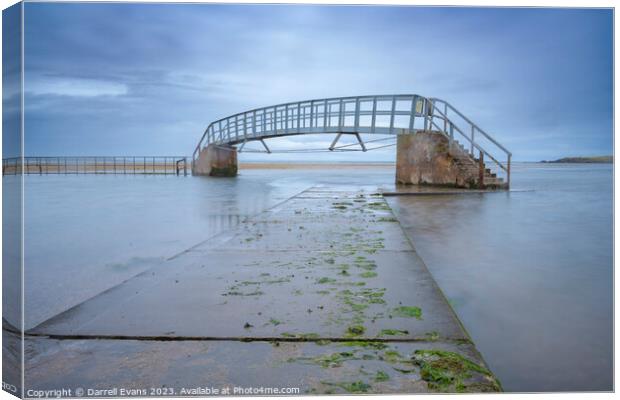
x=162 y=165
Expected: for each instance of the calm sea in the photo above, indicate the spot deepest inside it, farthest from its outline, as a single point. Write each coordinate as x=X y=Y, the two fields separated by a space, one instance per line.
x=529 y=273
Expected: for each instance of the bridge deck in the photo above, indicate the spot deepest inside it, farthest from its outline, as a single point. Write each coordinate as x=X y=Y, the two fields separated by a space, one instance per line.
x=326 y=287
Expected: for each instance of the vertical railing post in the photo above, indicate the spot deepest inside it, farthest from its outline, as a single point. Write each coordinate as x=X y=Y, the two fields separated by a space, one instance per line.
x=286 y=118
x=472 y=139
x=426 y=113
x=357 y=114
x=431 y=113
x=374 y=115
x=508 y=171
x=481 y=170
x=185 y=166
x=341 y=115
x=311 y=114
x=325 y=122
x=392 y=114
x=236 y=127
x=445 y=116
x=298 y=116
x=414 y=103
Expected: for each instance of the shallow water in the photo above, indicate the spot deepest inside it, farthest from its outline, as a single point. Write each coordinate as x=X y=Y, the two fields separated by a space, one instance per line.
x=529 y=273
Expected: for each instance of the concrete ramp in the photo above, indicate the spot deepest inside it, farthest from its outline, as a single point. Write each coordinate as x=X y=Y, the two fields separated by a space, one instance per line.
x=316 y=266
x=327 y=267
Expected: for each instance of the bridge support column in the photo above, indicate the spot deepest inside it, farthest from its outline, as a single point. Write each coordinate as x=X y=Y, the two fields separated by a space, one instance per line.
x=215 y=160
x=425 y=158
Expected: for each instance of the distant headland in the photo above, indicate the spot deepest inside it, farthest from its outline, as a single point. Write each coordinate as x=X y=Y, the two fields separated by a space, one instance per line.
x=584 y=160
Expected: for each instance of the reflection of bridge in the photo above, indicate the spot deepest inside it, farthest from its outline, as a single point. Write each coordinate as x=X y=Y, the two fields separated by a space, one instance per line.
x=398 y=115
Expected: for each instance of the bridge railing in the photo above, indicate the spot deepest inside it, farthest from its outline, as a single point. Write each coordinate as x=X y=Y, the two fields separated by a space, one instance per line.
x=450 y=121
x=375 y=114
x=158 y=165
x=385 y=114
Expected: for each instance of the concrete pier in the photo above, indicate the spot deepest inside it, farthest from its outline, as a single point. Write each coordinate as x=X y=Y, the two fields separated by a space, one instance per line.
x=323 y=292
x=427 y=158
x=216 y=160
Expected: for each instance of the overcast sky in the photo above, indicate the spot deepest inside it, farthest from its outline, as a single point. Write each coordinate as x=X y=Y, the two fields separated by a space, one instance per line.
x=135 y=79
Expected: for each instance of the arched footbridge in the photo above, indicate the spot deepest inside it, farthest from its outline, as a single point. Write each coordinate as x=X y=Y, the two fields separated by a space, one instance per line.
x=436 y=143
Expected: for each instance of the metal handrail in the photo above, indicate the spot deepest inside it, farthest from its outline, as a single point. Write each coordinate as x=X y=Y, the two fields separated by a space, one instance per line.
x=352 y=114
x=450 y=125
x=313 y=112
x=69 y=165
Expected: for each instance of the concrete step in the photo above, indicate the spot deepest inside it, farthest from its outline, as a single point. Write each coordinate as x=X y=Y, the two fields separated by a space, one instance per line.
x=469 y=164
x=493 y=181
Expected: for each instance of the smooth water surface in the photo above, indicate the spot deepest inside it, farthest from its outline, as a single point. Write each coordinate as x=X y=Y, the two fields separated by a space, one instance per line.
x=529 y=273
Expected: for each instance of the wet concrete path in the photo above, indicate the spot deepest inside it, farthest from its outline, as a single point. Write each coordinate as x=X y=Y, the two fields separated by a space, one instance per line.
x=323 y=292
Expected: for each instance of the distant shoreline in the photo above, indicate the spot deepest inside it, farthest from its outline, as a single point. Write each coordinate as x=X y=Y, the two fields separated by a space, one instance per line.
x=583 y=160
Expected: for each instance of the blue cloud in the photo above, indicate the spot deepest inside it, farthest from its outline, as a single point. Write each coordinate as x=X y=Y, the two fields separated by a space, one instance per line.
x=148 y=78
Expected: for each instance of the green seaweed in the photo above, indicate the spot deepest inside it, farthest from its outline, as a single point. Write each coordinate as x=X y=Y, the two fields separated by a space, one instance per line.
x=237 y=293
x=357 y=307
x=269 y=281
x=355 y=330
x=387 y=219
x=446 y=371
x=393 y=332
x=368 y=274
x=326 y=361
x=224 y=171
x=392 y=356
x=381 y=377
x=379 y=206
x=408 y=312
x=351 y=387
x=365 y=344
